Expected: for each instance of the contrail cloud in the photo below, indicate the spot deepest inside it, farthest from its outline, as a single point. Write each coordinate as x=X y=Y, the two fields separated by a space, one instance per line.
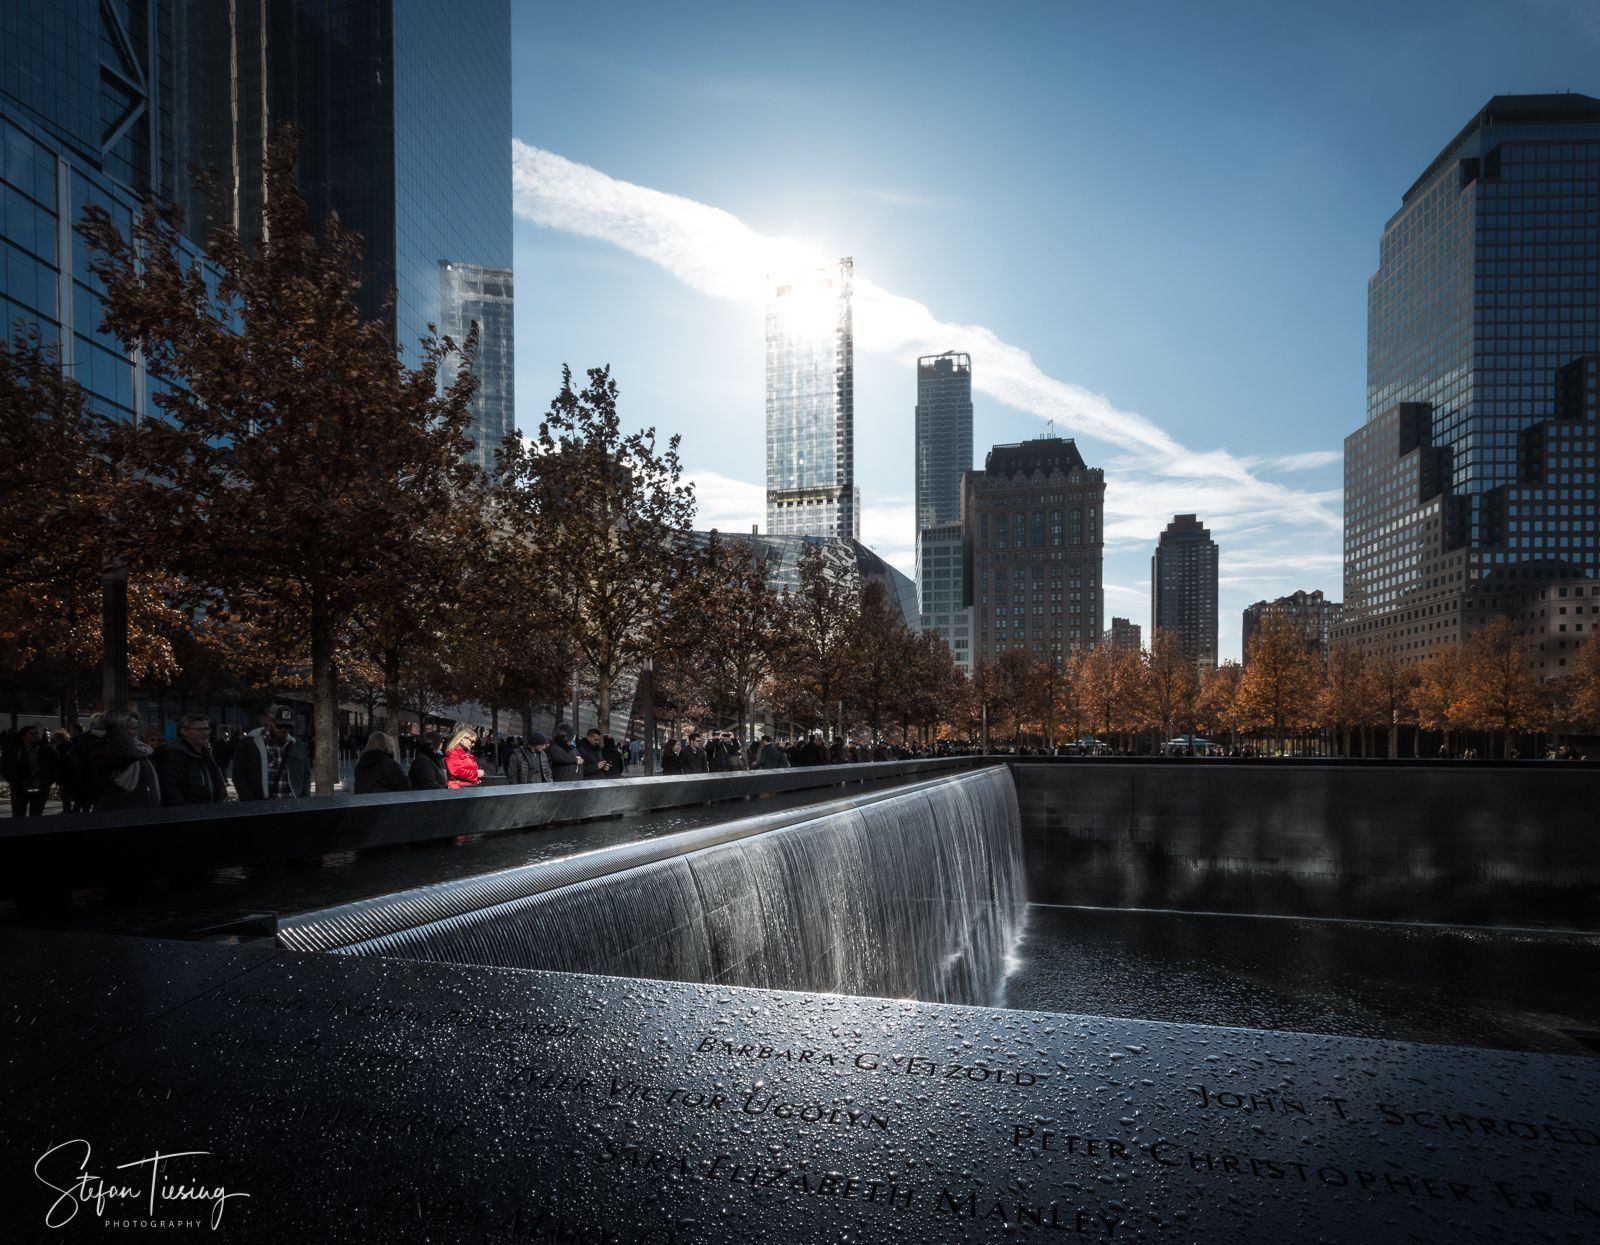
x=716 y=253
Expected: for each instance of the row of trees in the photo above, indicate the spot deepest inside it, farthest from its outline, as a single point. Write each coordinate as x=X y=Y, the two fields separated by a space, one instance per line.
x=300 y=511
x=1485 y=685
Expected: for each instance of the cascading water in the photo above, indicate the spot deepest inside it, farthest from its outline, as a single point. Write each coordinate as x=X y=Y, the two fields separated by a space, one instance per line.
x=916 y=893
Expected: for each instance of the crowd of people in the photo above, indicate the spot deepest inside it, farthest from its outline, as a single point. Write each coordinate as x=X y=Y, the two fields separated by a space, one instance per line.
x=116 y=763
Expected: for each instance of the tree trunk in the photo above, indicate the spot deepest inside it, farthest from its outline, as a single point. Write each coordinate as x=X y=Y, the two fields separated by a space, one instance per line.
x=325 y=701
x=391 y=689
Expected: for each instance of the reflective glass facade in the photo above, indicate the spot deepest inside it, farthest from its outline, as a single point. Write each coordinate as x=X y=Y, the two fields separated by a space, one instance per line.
x=405 y=107
x=471 y=294
x=1488 y=282
x=1033 y=549
x=1474 y=477
x=811 y=405
x=941 y=589
x=86 y=102
x=1183 y=588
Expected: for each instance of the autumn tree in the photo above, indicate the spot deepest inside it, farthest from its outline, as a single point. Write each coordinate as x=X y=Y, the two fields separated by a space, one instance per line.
x=1278 y=687
x=1217 y=706
x=1498 y=692
x=932 y=687
x=1343 y=699
x=743 y=625
x=1437 y=691
x=824 y=610
x=605 y=512
x=1387 y=699
x=1583 y=702
x=1171 y=682
x=294 y=448
x=1111 y=682
x=877 y=654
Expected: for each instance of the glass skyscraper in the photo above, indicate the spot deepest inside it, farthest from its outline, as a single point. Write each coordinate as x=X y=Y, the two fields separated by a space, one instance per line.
x=944 y=450
x=405 y=109
x=87 y=101
x=943 y=435
x=811 y=405
x=1474 y=477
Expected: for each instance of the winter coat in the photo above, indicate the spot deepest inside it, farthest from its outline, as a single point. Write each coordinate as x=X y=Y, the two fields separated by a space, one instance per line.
x=31 y=770
x=427 y=770
x=812 y=752
x=694 y=761
x=378 y=771
x=717 y=761
x=671 y=761
x=250 y=766
x=187 y=776
x=518 y=765
x=613 y=754
x=563 y=760
x=591 y=755
x=111 y=754
x=462 y=767
x=772 y=757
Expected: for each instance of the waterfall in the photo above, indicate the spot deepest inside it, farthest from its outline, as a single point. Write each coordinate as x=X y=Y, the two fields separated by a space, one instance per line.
x=912 y=893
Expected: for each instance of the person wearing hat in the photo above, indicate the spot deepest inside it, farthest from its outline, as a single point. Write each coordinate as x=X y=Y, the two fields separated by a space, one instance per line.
x=564 y=762
x=530 y=762
x=270 y=763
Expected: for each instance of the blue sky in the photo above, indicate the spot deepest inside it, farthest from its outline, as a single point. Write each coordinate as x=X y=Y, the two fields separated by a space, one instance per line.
x=1151 y=222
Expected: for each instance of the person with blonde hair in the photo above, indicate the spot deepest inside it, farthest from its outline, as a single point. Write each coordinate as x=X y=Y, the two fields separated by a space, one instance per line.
x=459 y=762
x=378 y=767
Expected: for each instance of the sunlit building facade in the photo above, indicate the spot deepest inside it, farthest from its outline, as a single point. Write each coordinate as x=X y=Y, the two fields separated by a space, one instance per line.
x=811 y=487
x=1310 y=613
x=1033 y=548
x=1124 y=634
x=1473 y=481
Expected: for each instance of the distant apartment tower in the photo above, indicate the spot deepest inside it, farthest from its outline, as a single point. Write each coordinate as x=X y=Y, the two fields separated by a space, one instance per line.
x=943 y=435
x=1183 y=588
x=1032 y=550
x=811 y=405
x=943 y=445
x=404 y=108
x=1311 y=612
x=1473 y=482
x=472 y=294
x=1124 y=634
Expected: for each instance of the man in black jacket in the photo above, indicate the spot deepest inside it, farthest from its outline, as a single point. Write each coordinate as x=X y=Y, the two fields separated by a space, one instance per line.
x=427 y=766
x=189 y=773
x=591 y=752
x=563 y=759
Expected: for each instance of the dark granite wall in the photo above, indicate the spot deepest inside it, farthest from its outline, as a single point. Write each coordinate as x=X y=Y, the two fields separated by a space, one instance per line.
x=1516 y=844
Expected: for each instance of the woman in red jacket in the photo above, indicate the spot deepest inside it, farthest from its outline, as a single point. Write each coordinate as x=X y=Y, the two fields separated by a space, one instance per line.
x=459 y=763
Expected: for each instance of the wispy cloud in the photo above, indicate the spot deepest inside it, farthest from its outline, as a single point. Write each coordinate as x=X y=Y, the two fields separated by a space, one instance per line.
x=1151 y=474
x=1308 y=461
